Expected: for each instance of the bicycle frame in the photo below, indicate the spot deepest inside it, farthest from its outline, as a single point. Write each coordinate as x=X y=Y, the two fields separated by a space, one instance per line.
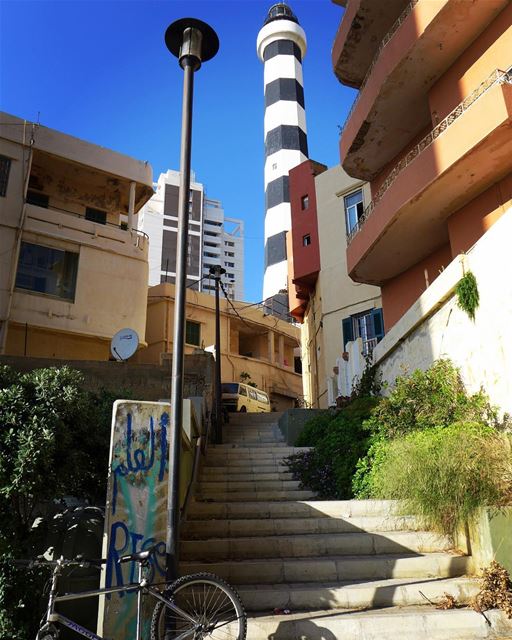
x=142 y=587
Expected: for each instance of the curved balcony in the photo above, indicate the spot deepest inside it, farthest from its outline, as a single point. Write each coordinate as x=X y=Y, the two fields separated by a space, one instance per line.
x=392 y=106
x=364 y=24
x=463 y=155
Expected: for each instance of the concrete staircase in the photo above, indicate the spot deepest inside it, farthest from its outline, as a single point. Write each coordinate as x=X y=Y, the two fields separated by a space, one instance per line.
x=344 y=569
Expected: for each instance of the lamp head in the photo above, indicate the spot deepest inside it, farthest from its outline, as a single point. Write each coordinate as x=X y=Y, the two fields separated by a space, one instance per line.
x=191 y=38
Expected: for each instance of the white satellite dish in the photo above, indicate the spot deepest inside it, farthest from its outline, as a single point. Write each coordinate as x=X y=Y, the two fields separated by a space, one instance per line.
x=124 y=344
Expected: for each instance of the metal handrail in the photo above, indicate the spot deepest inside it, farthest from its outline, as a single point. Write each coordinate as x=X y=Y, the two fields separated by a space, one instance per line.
x=394 y=28
x=497 y=77
x=79 y=215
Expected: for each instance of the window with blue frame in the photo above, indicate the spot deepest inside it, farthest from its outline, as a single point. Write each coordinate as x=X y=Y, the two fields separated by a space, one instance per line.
x=354 y=209
x=369 y=326
x=47 y=271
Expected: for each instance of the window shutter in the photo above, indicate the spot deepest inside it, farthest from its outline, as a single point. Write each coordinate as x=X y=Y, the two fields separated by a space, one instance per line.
x=348 y=333
x=378 y=323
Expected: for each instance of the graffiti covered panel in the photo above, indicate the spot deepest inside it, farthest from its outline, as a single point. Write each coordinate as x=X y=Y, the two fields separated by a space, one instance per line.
x=136 y=509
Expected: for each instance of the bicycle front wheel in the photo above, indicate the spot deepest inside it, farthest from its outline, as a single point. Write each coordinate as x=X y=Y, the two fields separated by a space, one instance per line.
x=207 y=607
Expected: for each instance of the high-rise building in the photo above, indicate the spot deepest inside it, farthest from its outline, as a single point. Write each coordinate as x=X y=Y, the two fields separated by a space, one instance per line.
x=281 y=46
x=214 y=239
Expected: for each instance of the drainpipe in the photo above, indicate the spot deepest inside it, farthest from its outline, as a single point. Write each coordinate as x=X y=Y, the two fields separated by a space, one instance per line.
x=131 y=206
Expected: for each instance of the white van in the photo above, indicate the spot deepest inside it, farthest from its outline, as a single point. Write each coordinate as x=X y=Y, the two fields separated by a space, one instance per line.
x=237 y=396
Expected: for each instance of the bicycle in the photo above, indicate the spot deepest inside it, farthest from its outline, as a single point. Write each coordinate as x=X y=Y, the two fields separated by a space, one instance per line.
x=195 y=606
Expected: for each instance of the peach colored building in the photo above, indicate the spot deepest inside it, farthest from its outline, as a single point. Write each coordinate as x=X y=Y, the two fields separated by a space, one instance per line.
x=430 y=130
x=252 y=342
x=73 y=267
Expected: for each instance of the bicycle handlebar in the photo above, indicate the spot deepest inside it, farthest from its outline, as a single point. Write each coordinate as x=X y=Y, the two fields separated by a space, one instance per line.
x=80 y=561
x=41 y=561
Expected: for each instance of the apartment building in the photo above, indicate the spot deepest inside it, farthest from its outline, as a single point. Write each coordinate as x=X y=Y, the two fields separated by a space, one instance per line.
x=73 y=267
x=341 y=321
x=251 y=342
x=214 y=239
x=431 y=131
x=223 y=245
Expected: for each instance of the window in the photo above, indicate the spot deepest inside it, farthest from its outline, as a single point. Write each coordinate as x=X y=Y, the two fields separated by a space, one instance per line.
x=304 y=202
x=39 y=199
x=354 y=209
x=193 y=333
x=369 y=326
x=306 y=240
x=229 y=254
x=49 y=271
x=96 y=215
x=5 y=167
x=229 y=244
x=229 y=264
x=231 y=275
x=211 y=233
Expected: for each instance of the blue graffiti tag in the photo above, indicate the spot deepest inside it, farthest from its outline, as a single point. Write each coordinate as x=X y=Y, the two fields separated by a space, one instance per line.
x=140 y=461
x=122 y=541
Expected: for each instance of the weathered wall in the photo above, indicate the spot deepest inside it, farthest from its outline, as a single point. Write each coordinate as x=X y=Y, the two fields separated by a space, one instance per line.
x=435 y=327
x=145 y=381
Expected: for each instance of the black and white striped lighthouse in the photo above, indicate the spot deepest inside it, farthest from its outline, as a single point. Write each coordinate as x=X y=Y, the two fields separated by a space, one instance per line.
x=281 y=46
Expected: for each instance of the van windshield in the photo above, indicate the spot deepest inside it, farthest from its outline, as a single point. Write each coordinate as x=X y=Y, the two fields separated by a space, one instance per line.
x=230 y=387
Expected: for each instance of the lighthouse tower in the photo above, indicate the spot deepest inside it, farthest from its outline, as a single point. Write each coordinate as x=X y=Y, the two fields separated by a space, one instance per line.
x=281 y=46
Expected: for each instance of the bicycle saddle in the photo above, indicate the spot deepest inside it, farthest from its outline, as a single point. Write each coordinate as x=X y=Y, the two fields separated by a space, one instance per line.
x=141 y=556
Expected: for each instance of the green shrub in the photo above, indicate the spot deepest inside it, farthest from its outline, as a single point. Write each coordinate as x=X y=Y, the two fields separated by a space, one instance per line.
x=444 y=475
x=340 y=442
x=54 y=442
x=425 y=400
x=314 y=429
x=432 y=398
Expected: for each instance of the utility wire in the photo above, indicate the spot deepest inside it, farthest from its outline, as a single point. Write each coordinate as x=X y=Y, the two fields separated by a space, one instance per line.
x=232 y=305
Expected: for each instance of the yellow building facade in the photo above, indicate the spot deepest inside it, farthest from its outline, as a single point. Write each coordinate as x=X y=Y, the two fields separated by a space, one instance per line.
x=73 y=267
x=251 y=342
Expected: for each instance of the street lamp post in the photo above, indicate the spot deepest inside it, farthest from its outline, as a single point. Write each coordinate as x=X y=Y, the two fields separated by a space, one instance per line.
x=192 y=42
x=217 y=271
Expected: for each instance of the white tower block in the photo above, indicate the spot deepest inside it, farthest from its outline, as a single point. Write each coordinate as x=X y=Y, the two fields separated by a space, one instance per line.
x=281 y=46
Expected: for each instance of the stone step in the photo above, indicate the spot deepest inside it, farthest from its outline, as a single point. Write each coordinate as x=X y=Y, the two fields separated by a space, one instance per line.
x=413 y=623
x=255 y=418
x=245 y=429
x=256 y=447
x=256 y=439
x=356 y=595
x=315 y=545
x=208 y=528
x=300 y=509
x=335 y=568
x=245 y=496
x=212 y=474
x=230 y=451
x=219 y=486
x=241 y=461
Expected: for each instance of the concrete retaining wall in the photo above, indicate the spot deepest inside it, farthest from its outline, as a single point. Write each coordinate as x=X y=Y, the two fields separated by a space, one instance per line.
x=292 y=422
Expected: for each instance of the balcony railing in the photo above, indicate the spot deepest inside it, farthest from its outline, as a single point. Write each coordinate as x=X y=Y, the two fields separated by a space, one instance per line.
x=496 y=77
x=396 y=25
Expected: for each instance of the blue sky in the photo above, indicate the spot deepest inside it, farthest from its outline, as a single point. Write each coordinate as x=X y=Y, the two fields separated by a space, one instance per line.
x=99 y=70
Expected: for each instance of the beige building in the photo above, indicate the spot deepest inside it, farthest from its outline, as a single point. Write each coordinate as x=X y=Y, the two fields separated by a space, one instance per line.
x=251 y=342
x=341 y=319
x=73 y=267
